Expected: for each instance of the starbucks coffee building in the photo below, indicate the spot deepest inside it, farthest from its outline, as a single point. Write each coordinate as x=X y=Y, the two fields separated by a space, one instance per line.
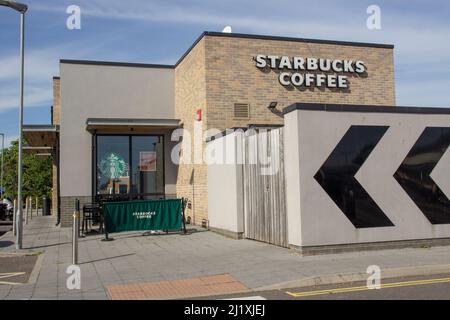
x=113 y=123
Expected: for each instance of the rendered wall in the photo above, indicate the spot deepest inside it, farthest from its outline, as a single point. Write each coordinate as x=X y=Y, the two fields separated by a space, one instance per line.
x=404 y=171
x=99 y=91
x=89 y=91
x=225 y=187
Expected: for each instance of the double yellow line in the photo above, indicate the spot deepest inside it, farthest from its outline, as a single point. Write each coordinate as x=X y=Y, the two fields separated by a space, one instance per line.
x=365 y=288
x=9 y=275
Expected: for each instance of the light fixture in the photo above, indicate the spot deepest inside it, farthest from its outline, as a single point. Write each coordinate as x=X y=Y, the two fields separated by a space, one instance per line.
x=22 y=8
x=272 y=105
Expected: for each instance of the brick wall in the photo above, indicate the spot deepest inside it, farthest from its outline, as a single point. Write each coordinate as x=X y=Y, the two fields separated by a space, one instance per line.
x=67 y=208
x=190 y=95
x=220 y=71
x=232 y=77
x=56 y=100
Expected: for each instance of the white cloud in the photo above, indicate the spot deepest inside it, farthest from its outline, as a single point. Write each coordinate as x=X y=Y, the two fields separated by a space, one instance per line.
x=41 y=64
x=418 y=30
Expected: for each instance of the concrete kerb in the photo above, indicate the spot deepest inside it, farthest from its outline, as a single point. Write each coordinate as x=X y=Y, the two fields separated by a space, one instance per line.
x=36 y=269
x=329 y=279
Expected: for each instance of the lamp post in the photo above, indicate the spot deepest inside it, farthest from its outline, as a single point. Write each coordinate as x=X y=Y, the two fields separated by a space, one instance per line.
x=1 y=174
x=21 y=8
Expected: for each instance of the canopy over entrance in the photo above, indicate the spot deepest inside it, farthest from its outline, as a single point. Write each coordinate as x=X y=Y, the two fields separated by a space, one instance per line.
x=41 y=139
x=123 y=124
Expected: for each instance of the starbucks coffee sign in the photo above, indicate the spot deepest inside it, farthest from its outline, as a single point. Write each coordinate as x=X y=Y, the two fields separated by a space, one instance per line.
x=311 y=72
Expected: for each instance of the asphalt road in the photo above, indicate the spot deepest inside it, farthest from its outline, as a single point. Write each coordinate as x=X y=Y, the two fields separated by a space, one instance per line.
x=16 y=268
x=412 y=288
x=5 y=226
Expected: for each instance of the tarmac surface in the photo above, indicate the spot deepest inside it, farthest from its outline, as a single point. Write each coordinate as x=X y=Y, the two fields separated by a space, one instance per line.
x=406 y=288
x=16 y=269
x=157 y=265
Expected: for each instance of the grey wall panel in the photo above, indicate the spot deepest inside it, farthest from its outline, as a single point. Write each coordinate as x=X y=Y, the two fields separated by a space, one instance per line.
x=225 y=186
x=315 y=219
x=93 y=91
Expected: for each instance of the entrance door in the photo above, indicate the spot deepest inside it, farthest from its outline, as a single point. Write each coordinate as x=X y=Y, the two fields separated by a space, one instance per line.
x=264 y=186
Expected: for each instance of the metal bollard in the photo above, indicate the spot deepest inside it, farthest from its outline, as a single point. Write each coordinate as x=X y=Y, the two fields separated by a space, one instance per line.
x=14 y=217
x=31 y=208
x=37 y=207
x=76 y=224
x=26 y=210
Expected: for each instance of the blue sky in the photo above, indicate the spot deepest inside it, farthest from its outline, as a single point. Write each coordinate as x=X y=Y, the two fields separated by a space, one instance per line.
x=161 y=31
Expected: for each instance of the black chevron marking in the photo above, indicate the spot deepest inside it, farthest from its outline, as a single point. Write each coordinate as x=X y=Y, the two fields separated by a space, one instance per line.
x=337 y=177
x=414 y=174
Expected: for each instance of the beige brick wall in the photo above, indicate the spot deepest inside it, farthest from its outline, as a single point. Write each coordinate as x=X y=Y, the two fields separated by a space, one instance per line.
x=56 y=100
x=232 y=77
x=190 y=95
x=67 y=208
x=220 y=71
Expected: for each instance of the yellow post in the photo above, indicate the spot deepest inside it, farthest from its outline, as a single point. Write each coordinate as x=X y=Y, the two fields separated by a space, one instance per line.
x=26 y=210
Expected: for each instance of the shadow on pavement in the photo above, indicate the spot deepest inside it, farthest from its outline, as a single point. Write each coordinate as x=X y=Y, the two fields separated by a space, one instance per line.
x=108 y=258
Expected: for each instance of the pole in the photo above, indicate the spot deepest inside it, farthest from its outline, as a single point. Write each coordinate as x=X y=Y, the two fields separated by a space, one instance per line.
x=31 y=208
x=27 y=209
x=14 y=217
x=75 y=227
x=37 y=207
x=183 y=205
x=19 y=174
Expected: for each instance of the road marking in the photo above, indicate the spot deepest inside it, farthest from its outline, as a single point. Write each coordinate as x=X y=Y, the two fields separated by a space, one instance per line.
x=248 y=298
x=9 y=275
x=364 y=288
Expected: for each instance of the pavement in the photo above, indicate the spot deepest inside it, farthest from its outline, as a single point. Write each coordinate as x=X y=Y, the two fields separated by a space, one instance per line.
x=134 y=266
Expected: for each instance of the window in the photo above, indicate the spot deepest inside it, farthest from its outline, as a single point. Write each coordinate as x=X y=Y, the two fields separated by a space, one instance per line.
x=130 y=164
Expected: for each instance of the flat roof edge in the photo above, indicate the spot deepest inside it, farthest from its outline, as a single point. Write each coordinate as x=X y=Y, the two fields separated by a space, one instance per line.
x=117 y=64
x=229 y=35
x=281 y=38
x=364 y=108
x=295 y=39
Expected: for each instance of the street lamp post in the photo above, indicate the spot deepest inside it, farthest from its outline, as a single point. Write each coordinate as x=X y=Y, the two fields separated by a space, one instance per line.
x=21 y=8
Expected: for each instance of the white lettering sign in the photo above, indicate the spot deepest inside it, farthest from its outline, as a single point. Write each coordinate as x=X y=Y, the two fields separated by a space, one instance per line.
x=293 y=70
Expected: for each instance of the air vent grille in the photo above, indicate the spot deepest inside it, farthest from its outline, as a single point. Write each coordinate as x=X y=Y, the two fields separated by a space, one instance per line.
x=241 y=110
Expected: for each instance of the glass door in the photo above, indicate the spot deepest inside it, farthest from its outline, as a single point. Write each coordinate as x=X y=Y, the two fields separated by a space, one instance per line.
x=147 y=165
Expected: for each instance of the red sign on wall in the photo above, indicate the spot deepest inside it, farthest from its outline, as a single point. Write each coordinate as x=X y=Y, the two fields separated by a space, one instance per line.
x=198 y=116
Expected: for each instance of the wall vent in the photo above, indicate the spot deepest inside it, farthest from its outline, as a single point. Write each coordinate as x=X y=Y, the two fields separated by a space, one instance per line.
x=241 y=110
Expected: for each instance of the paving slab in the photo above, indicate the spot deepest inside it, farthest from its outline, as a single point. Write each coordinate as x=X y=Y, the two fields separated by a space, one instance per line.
x=133 y=259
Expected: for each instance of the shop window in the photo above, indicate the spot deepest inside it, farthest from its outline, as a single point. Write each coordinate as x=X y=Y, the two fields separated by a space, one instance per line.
x=129 y=164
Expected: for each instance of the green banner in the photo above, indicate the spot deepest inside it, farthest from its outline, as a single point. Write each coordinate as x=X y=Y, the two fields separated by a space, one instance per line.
x=143 y=215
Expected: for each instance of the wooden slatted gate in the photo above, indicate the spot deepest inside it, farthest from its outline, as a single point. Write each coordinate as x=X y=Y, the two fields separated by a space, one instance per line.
x=264 y=186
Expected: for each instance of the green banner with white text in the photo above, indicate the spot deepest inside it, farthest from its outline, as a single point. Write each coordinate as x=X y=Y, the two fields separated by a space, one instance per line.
x=143 y=215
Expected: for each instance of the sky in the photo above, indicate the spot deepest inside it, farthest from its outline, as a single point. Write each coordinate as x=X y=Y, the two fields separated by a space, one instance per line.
x=160 y=31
